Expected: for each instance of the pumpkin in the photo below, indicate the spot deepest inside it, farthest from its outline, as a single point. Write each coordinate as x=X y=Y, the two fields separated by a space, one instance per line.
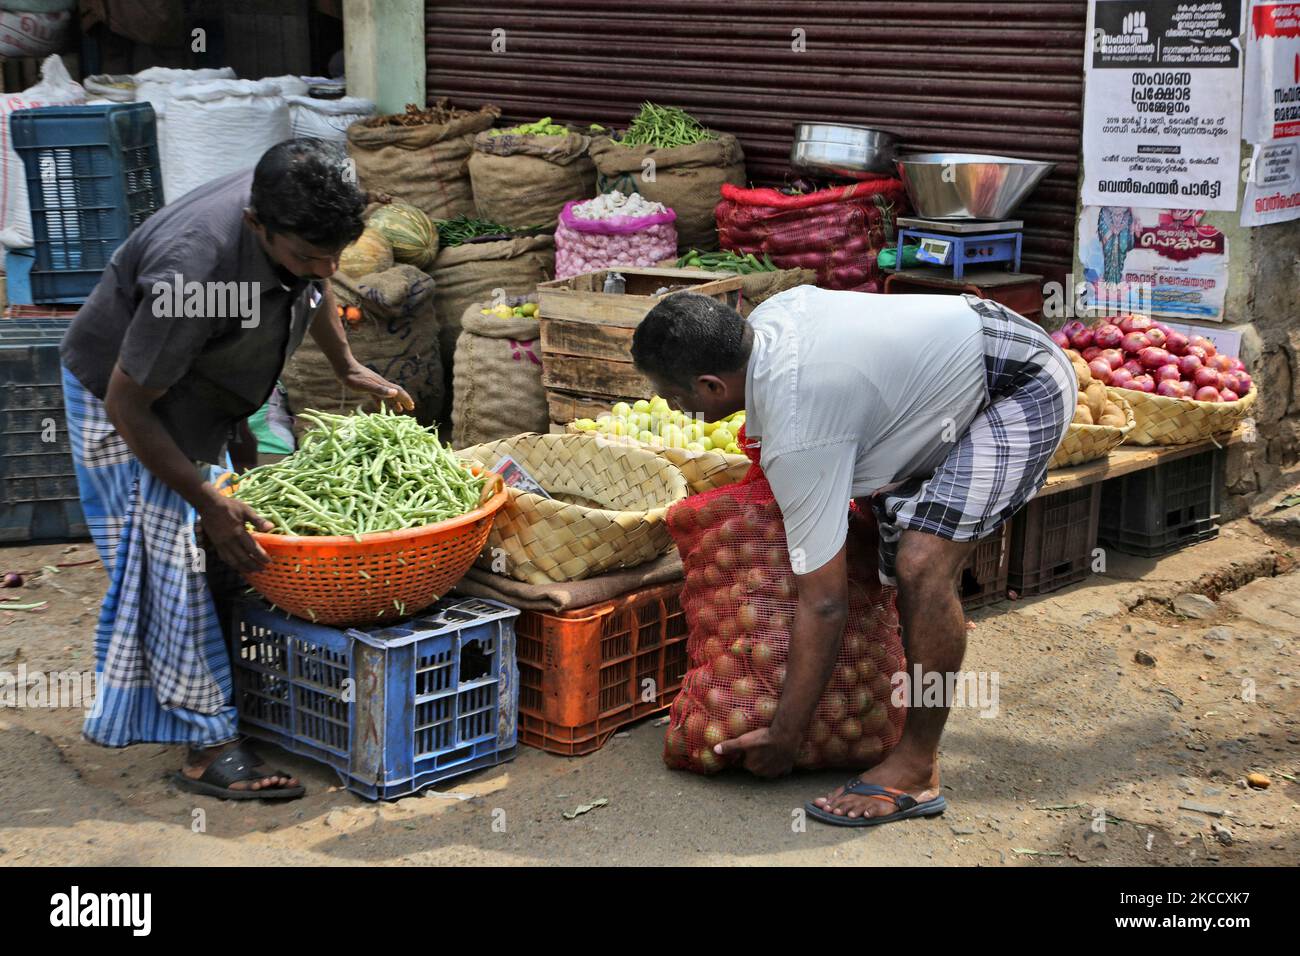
x=409 y=231
x=370 y=253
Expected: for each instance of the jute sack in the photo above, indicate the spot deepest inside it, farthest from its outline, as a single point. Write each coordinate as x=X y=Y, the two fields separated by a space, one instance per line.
x=397 y=336
x=757 y=287
x=687 y=179
x=497 y=388
x=423 y=164
x=472 y=271
x=523 y=181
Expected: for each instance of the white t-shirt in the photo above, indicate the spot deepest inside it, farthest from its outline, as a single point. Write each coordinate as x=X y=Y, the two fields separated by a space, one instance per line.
x=852 y=393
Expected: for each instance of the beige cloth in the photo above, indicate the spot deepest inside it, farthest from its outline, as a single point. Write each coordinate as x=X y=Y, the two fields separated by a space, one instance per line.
x=570 y=594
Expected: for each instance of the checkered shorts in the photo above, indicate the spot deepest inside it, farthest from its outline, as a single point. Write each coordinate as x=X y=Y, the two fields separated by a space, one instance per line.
x=1000 y=463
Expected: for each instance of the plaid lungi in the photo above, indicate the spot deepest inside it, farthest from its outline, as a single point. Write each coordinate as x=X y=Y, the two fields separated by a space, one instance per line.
x=163 y=670
x=1000 y=463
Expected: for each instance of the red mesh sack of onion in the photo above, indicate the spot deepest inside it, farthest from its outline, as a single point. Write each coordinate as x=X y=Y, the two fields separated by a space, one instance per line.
x=739 y=597
x=613 y=230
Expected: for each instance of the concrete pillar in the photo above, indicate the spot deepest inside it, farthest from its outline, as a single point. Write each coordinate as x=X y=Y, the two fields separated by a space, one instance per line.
x=383 y=46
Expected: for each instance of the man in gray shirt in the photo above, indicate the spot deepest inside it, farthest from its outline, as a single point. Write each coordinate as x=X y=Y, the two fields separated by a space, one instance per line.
x=941 y=412
x=182 y=339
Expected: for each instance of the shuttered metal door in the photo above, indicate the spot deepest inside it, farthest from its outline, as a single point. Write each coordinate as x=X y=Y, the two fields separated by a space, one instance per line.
x=957 y=75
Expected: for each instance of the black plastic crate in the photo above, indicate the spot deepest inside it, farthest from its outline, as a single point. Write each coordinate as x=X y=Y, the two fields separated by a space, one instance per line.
x=984 y=579
x=38 y=484
x=1052 y=540
x=1161 y=509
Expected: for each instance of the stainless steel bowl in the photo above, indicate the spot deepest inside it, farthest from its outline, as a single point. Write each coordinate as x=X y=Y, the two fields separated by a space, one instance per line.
x=834 y=149
x=969 y=185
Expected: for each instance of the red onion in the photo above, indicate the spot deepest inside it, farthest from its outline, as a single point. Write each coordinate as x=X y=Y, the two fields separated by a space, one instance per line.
x=1238 y=365
x=1061 y=339
x=1169 y=389
x=1100 y=371
x=12 y=579
x=1188 y=364
x=1153 y=357
x=1091 y=352
x=1186 y=389
x=1176 y=342
x=1081 y=338
x=1134 y=323
x=1228 y=395
x=1071 y=327
x=1113 y=357
x=1134 y=367
x=1143 y=383
x=1121 y=378
x=1247 y=383
x=1200 y=341
x=1220 y=363
x=1168 y=373
x=1156 y=337
x=1208 y=394
x=1200 y=353
x=1206 y=378
x=1107 y=335
x=1135 y=342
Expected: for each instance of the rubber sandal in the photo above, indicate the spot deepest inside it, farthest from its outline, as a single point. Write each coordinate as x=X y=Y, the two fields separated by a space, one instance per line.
x=908 y=806
x=236 y=766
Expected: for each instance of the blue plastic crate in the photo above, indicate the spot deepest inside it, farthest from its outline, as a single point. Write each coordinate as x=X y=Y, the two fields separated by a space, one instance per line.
x=92 y=176
x=392 y=709
x=39 y=500
x=18 y=273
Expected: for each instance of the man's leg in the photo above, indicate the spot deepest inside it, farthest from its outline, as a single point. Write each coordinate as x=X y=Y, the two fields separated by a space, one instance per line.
x=934 y=635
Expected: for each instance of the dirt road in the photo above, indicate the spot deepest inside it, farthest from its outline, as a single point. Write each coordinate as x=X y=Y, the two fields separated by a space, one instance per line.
x=1088 y=757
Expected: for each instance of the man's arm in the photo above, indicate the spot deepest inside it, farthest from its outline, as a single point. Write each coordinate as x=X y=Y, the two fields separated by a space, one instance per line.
x=327 y=331
x=130 y=409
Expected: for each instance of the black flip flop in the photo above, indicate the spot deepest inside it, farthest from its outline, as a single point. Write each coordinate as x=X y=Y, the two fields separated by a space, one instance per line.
x=236 y=766
x=908 y=806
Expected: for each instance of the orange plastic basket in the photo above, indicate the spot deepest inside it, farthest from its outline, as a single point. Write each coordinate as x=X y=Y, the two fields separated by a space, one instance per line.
x=382 y=576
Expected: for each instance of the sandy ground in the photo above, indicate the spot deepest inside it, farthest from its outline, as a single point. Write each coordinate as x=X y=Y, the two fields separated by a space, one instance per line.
x=1090 y=758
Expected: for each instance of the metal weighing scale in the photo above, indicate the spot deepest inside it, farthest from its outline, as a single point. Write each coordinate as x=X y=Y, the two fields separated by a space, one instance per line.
x=961 y=242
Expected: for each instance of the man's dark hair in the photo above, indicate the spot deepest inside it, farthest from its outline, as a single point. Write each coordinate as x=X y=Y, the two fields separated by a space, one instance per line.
x=688 y=335
x=299 y=187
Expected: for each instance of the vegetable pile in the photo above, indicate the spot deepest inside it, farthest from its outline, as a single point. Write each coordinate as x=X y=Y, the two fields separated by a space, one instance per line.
x=453 y=232
x=1136 y=353
x=653 y=422
x=726 y=261
x=665 y=127
x=613 y=230
x=361 y=473
x=440 y=112
x=408 y=231
x=1093 y=406
x=543 y=127
x=527 y=310
x=617 y=205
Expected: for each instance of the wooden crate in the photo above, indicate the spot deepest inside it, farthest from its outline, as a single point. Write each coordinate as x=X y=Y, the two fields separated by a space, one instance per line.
x=587 y=334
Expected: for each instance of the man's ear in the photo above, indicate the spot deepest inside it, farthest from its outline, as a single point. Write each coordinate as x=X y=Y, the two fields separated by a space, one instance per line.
x=712 y=385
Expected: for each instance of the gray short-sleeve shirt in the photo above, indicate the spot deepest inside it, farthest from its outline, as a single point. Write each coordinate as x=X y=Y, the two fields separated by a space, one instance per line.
x=851 y=393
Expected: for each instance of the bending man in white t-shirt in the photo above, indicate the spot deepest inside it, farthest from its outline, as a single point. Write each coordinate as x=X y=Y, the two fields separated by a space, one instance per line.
x=939 y=412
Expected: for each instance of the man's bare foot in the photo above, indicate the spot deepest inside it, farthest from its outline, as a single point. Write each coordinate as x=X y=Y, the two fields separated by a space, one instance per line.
x=919 y=778
x=199 y=760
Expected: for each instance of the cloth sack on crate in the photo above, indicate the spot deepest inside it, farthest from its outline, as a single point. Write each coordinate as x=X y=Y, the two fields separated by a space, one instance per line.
x=835 y=232
x=497 y=384
x=740 y=597
x=326 y=119
x=564 y=595
x=524 y=181
x=474 y=271
x=397 y=337
x=25 y=33
x=589 y=245
x=247 y=117
x=56 y=88
x=686 y=179
x=156 y=85
x=606 y=509
x=422 y=164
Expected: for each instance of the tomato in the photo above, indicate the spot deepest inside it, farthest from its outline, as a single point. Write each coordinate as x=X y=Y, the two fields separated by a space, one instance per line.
x=714 y=734
x=747 y=618
x=874 y=719
x=834 y=706
x=748 y=554
x=743 y=689
x=707 y=760
x=717 y=511
x=850 y=730
x=774 y=533
x=880 y=686
x=738 y=594
x=694 y=725
x=866 y=670
x=728 y=630
x=730 y=532
x=846 y=676
x=819 y=731
x=854 y=647
x=725 y=558
x=715 y=699
x=777 y=558
x=712 y=649
x=763 y=654
x=706 y=618
x=765 y=710
x=675 y=744
x=713 y=576
x=755 y=579
x=860 y=700
x=725 y=667
x=738 y=722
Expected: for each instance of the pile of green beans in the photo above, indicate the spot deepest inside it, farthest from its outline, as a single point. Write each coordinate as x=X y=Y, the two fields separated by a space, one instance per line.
x=453 y=232
x=727 y=262
x=665 y=127
x=355 y=474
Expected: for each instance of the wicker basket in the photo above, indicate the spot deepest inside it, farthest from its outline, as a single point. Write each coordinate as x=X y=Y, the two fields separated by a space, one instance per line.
x=704 y=470
x=1089 y=442
x=607 y=511
x=1181 y=421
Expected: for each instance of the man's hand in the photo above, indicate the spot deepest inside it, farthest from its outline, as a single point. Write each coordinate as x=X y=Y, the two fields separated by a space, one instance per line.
x=765 y=753
x=361 y=379
x=223 y=521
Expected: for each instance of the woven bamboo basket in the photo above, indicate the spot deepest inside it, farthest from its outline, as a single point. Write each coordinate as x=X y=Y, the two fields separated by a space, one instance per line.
x=606 y=511
x=704 y=470
x=1181 y=421
x=1089 y=442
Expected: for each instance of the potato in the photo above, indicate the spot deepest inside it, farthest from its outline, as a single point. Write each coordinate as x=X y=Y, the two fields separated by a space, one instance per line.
x=1095 y=398
x=1115 y=419
x=1082 y=416
x=1081 y=372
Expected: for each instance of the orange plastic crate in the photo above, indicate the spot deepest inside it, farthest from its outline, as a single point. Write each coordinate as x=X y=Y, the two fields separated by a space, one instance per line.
x=587 y=672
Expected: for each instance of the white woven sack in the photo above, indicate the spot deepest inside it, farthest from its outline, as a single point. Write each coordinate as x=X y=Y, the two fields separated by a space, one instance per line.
x=326 y=119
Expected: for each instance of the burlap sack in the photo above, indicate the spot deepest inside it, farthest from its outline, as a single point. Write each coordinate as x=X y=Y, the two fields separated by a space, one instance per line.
x=397 y=337
x=758 y=287
x=687 y=179
x=472 y=271
x=523 y=181
x=497 y=388
x=423 y=165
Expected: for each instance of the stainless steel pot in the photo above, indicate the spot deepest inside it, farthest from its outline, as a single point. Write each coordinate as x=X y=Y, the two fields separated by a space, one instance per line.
x=835 y=149
x=969 y=185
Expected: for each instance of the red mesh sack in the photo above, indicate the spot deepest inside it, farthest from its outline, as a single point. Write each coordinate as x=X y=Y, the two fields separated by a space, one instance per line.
x=835 y=232
x=739 y=597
